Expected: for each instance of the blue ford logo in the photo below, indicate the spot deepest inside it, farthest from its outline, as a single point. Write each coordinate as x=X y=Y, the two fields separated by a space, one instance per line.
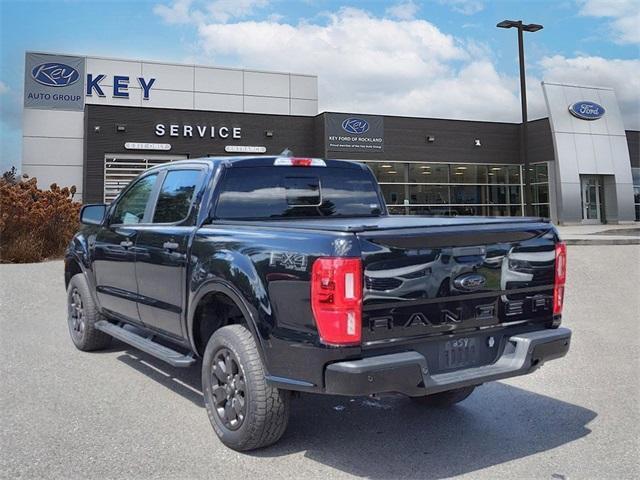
x=55 y=74
x=357 y=126
x=470 y=282
x=586 y=110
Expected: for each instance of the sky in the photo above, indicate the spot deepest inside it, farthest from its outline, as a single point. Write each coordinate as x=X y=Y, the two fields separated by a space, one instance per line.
x=429 y=58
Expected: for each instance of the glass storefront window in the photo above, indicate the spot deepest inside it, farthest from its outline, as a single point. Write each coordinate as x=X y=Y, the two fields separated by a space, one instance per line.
x=468 y=194
x=509 y=194
x=539 y=173
x=388 y=171
x=428 y=173
x=393 y=194
x=428 y=194
x=540 y=193
x=513 y=174
x=469 y=174
x=426 y=188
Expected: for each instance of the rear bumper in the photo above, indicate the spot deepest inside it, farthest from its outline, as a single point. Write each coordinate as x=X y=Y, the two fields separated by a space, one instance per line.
x=408 y=372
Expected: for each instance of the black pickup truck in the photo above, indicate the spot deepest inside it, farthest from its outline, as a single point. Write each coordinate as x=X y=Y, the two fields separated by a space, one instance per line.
x=288 y=274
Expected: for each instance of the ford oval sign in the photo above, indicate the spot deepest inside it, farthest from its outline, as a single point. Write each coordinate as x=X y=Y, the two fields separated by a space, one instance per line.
x=586 y=110
x=470 y=282
x=357 y=126
x=55 y=74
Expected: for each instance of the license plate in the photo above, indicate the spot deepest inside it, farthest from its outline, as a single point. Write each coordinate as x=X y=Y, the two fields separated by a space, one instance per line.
x=457 y=353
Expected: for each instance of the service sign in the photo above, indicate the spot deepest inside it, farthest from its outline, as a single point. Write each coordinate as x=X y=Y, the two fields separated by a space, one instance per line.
x=54 y=82
x=586 y=110
x=354 y=133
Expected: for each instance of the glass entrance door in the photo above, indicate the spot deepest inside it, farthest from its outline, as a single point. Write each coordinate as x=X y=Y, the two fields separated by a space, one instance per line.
x=590 y=199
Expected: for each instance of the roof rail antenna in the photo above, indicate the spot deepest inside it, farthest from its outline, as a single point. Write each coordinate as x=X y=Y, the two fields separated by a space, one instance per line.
x=286 y=153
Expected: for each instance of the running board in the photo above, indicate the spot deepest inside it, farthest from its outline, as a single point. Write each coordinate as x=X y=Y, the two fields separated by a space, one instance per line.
x=147 y=345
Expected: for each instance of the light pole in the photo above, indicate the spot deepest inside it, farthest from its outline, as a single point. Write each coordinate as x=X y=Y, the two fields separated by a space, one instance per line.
x=524 y=157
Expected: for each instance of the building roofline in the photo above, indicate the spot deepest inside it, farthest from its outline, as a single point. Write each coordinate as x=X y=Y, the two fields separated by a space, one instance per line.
x=413 y=117
x=562 y=84
x=177 y=64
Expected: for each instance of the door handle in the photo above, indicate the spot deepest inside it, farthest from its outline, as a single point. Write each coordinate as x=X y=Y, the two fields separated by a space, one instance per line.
x=126 y=243
x=170 y=245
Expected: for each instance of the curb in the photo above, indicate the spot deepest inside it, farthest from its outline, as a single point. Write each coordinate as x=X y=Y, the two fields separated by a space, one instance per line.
x=602 y=241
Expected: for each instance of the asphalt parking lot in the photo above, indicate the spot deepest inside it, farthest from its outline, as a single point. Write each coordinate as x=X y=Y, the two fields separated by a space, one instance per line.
x=122 y=414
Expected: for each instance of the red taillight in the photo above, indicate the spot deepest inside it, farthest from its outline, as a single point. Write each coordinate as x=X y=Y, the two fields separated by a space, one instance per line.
x=301 y=162
x=560 y=277
x=336 y=299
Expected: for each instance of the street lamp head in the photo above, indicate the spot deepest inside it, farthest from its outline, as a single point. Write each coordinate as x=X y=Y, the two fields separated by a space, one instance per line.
x=532 y=27
x=507 y=24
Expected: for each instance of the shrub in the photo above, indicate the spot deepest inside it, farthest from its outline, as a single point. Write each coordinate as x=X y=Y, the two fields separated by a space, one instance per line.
x=35 y=224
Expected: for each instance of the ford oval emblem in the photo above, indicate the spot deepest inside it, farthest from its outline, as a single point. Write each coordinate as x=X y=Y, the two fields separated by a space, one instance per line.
x=586 y=110
x=357 y=126
x=55 y=74
x=470 y=282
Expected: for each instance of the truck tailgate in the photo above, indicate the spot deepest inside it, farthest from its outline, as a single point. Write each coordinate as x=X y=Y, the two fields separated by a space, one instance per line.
x=426 y=281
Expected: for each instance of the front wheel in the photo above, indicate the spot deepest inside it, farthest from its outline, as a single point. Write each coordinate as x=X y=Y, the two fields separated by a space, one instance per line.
x=245 y=411
x=445 y=399
x=82 y=314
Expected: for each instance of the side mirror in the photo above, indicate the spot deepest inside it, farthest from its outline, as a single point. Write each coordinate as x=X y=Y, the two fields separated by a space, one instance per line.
x=93 y=214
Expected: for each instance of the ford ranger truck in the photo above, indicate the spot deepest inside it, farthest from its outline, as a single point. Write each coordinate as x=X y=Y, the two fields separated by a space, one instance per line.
x=284 y=274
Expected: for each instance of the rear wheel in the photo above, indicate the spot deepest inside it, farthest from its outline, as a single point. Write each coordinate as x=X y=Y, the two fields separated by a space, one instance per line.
x=82 y=314
x=445 y=399
x=245 y=411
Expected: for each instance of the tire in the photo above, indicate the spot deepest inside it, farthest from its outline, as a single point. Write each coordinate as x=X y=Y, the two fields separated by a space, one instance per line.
x=445 y=399
x=82 y=314
x=245 y=411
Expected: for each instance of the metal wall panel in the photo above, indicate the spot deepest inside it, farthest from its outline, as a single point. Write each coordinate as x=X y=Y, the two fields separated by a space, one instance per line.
x=303 y=107
x=305 y=87
x=110 y=68
x=169 y=77
x=218 y=102
x=51 y=151
x=266 y=84
x=52 y=123
x=218 y=80
x=274 y=105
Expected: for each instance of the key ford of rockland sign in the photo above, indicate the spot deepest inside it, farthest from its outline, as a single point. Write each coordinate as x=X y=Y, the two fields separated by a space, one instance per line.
x=58 y=82
x=347 y=133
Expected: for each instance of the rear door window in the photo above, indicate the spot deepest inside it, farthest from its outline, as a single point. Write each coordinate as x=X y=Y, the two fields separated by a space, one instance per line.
x=176 y=195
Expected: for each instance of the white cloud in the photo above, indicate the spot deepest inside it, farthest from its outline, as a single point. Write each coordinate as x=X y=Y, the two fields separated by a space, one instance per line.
x=3 y=88
x=466 y=7
x=624 y=14
x=622 y=75
x=178 y=12
x=224 y=10
x=403 y=11
x=371 y=64
x=187 y=11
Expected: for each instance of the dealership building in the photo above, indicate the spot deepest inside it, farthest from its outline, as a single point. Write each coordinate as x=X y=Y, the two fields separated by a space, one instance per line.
x=98 y=122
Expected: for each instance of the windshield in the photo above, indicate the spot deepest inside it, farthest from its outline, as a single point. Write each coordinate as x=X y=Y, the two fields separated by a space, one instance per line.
x=289 y=192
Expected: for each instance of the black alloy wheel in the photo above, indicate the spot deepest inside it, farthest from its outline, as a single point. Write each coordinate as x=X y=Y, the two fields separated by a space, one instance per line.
x=76 y=316
x=228 y=389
